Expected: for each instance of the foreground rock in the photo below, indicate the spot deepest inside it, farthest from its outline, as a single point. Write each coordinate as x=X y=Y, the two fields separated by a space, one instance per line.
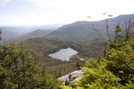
x=73 y=76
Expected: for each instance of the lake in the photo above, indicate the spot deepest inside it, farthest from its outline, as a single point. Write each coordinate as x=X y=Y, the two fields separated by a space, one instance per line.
x=63 y=54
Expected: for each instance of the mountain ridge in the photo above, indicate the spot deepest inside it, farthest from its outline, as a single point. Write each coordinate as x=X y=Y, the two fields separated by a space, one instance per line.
x=10 y=33
x=85 y=30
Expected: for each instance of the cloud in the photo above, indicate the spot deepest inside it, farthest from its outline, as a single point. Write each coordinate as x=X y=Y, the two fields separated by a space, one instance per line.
x=4 y=2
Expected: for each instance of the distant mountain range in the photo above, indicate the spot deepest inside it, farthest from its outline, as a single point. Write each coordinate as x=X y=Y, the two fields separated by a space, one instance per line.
x=33 y=34
x=11 y=33
x=83 y=30
x=78 y=31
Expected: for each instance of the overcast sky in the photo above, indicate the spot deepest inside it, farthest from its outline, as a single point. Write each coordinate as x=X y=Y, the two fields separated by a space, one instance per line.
x=40 y=12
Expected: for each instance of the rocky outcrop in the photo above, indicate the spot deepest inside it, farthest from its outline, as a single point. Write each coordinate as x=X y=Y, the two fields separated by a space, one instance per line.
x=73 y=76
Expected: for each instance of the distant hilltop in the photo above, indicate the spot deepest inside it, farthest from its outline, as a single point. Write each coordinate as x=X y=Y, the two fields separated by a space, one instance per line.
x=84 y=30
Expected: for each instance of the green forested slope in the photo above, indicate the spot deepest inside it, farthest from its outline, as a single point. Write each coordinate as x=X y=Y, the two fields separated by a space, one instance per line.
x=84 y=30
x=19 y=70
x=43 y=47
x=114 y=70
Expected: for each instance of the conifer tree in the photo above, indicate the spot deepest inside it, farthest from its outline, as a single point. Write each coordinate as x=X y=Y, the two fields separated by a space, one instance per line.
x=19 y=70
x=116 y=69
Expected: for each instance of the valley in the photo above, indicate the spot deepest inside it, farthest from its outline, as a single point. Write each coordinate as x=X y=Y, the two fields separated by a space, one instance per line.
x=43 y=48
x=77 y=31
x=80 y=36
x=57 y=50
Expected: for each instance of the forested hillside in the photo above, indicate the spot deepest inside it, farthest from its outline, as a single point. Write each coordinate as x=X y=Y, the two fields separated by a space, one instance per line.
x=19 y=70
x=114 y=70
x=43 y=48
x=86 y=30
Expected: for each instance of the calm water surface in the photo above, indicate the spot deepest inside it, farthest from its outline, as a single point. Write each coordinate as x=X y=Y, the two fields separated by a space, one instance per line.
x=63 y=54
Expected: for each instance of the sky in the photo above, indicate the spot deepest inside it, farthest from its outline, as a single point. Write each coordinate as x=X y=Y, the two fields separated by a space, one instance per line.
x=41 y=12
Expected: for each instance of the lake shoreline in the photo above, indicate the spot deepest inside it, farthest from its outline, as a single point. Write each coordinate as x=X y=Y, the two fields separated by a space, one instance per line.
x=63 y=54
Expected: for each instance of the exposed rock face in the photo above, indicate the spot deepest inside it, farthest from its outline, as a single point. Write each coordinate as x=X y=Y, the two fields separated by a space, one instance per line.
x=73 y=76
